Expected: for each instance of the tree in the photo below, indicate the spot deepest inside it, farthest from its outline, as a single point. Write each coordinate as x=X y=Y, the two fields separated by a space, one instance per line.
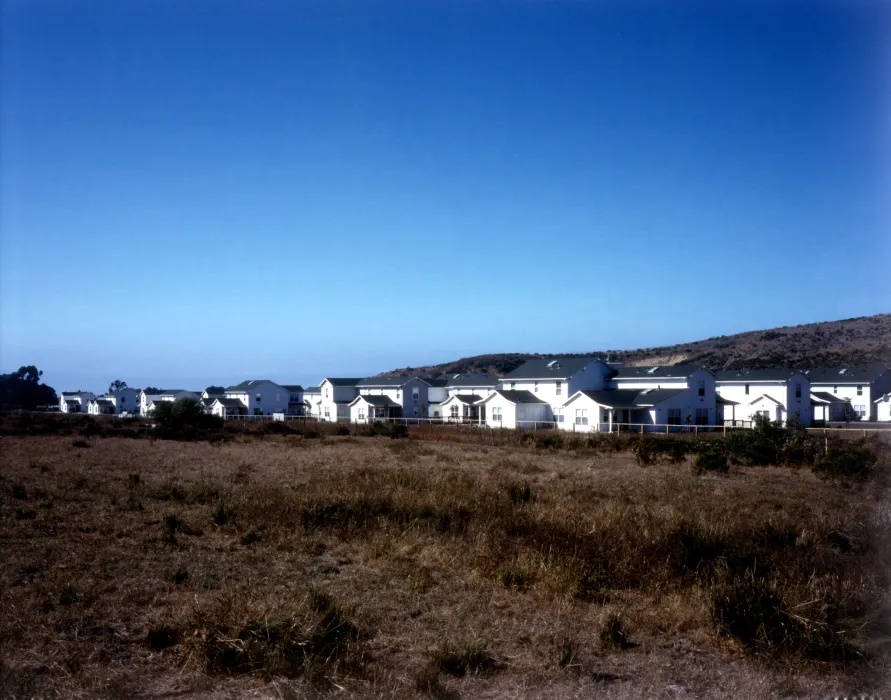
x=183 y=414
x=22 y=389
x=215 y=389
x=116 y=385
x=152 y=390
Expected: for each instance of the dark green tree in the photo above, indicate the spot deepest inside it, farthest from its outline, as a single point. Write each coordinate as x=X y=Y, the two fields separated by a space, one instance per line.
x=23 y=389
x=116 y=385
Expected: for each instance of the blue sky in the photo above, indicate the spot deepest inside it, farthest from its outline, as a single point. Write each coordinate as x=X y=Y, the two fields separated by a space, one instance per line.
x=200 y=192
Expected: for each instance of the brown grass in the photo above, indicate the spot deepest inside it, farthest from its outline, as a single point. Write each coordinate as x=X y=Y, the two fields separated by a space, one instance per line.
x=281 y=567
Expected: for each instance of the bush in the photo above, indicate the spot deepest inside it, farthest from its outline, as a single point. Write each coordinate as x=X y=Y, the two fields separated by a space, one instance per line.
x=276 y=427
x=711 y=460
x=519 y=493
x=548 y=442
x=613 y=634
x=471 y=658
x=845 y=463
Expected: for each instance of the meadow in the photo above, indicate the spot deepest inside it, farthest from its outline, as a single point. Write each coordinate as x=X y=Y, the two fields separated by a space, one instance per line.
x=307 y=565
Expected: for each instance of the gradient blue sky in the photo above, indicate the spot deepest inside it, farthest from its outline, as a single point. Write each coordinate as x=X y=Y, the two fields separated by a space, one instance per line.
x=203 y=192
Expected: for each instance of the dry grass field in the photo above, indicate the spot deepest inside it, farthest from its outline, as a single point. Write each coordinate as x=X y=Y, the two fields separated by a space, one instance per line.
x=343 y=566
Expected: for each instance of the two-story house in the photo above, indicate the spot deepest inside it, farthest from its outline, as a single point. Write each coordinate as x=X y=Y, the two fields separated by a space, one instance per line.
x=694 y=404
x=75 y=401
x=777 y=394
x=335 y=396
x=100 y=406
x=553 y=381
x=262 y=397
x=859 y=386
x=125 y=400
x=312 y=401
x=389 y=397
x=436 y=394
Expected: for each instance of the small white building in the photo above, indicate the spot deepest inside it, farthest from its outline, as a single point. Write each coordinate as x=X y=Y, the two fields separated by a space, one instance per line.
x=699 y=400
x=506 y=408
x=883 y=408
x=75 y=401
x=100 y=407
x=553 y=380
x=335 y=396
x=464 y=408
x=602 y=411
x=312 y=401
x=367 y=408
x=774 y=393
x=859 y=385
x=262 y=397
x=225 y=407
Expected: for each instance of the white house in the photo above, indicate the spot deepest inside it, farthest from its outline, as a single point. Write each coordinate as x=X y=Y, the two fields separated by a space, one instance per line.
x=225 y=407
x=312 y=401
x=775 y=393
x=555 y=380
x=75 y=401
x=598 y=411
x=146 y=400
x=883 y=408
x=506 y=408
x=335 y=395
x=389 y=397
x=464 y=408
x=100 y=406
x=859 y=385
x=699 y=402
x=125 y=400
x=436 y=394
x=262 y=397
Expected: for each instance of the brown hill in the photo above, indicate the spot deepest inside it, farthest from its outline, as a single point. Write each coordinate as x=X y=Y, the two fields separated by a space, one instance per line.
x=863 y=340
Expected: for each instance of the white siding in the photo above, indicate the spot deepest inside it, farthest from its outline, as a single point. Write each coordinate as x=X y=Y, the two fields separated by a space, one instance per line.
x=514 y=416
x=883 y=408
x=556 y=392
x=782 y=391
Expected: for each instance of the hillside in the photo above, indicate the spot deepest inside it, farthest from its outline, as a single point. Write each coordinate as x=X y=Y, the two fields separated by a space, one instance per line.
x=862 y=340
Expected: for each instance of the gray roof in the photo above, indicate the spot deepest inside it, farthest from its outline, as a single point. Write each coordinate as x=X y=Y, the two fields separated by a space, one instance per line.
x=104 y=402
x=826 y=396
x=312 y=390
x=721 y=400
x=519 y=396
x=437 y=381
x=764 y=396
x=344 y=381
x=852 y=374
x=472 y=380
x=545 y=368
x=231 y=403
x=375 y=400
x=631 y=398
x=657 y=371
x=388 y=380
x=465 y=398
x=292 y=387
x=249 y=384
x=756 y=375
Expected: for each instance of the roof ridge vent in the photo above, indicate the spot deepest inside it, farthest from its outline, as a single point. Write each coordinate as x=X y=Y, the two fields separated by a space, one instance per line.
x=843 y=370
x=554 y=364
x=653 y=370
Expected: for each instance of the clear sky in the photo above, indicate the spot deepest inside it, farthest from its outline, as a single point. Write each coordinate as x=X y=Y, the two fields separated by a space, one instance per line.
x=205 y=192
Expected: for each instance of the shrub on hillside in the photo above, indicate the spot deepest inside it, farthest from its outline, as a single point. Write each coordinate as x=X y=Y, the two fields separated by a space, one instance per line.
x=711 y=460
x=845 y=463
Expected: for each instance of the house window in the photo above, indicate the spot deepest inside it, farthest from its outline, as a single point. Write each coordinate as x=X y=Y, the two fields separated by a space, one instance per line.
x=513 y=385
x=764 y=414
x=278 y=397
x=258 y=411
x=436 y=414
x=416 y=394
x=258 y=398
x=701 y=416
x=747 y=389
x=453 y=411
x=860 y=411
x=535 y=387
x=327 y=413
x=674 y=416
x=558 y=415
x=581 y=416
x=860 y=390
x=361 y=414
x=798 y=391
x=326 y=392
x=559 y=388
x=496 y=413
x=835 y=390
x=702 y=387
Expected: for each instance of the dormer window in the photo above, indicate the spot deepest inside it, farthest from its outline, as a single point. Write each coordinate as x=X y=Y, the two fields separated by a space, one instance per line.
x=860 y=390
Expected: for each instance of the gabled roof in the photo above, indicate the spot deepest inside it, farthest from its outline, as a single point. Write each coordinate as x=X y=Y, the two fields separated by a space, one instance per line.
x=886 y=397
x=292 y=387
x=629 y=398
x=343 y=381
x=757 y=375
x=250 y=384
x=389 y=380
x=464 y=398
x=554 y=369
x=826 y=397
x=720 y=400
x=514 y=397
x=230 y=403
x=375 y=400
x=656 y=371
x=472 y=380
x=851 y=374
x=764 y=396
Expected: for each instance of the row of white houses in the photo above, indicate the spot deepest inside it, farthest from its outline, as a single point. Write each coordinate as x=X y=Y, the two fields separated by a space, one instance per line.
x=573 y=393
